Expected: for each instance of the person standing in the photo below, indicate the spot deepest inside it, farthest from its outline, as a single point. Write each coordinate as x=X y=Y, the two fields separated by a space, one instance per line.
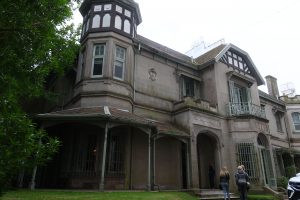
x=241 y=179
x=211 y=175
x=224 y=182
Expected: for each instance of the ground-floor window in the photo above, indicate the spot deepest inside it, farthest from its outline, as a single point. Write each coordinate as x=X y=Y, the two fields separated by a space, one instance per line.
x=115 y=156
x=246 y=156
x=84 y=155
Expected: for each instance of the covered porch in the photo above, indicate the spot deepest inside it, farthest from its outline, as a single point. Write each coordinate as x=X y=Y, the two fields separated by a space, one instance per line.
x=105 y=148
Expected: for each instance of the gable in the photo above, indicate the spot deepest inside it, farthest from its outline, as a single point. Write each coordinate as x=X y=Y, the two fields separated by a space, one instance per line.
x=236 y=61
x=233 y=57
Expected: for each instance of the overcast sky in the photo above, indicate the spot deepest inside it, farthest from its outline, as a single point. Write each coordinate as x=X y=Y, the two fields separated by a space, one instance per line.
x=269 y=30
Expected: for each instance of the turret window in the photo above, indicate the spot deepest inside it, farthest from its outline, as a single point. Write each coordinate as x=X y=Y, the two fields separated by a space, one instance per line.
x=98 y=60
x=118 y=22
x=119 y=9
x=97 y=8
x=127 y=26
x=106 y=20
x=127 y=13
x=119 y=63
x=96 y=21
x=107 y=7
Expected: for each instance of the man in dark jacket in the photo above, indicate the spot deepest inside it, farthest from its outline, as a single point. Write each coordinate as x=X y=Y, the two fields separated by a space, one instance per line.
x=241 y=179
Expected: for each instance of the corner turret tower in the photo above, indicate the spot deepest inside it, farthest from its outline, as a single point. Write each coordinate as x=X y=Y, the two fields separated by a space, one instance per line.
x=105 y=72
x=120 y=16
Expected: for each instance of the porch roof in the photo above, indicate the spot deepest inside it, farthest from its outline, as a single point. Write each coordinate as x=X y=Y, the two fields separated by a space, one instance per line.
x=99 y=112
x=170 y=129
x=113 y=114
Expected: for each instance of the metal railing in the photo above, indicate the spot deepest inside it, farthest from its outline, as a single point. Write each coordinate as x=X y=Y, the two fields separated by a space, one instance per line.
x=245 y=108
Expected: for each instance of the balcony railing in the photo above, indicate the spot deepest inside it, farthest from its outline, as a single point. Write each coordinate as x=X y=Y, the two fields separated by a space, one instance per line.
x=244 y=109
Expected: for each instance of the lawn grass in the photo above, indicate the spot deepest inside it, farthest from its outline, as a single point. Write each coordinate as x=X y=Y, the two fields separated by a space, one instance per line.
x=76 y=195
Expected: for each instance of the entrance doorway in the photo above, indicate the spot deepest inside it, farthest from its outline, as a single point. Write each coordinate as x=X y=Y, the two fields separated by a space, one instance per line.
x=265 y=160
x=207 y=150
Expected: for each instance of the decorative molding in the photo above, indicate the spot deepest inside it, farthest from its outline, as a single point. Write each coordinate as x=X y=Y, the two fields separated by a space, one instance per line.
x=152 y=74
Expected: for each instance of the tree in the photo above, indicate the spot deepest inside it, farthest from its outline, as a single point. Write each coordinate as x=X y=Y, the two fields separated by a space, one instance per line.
x=36 y=40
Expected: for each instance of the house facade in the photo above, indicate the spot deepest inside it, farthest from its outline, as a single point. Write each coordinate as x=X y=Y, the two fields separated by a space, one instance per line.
x=135 y=114
x=293 y=117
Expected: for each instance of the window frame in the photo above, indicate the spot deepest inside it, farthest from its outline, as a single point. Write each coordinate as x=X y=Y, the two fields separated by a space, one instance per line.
x=194 y=84
x=121 y=60
x=98 y=56
x=296 y=114
x=278 y=118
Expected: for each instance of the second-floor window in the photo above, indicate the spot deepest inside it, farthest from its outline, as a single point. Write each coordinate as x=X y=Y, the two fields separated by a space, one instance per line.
x=190 y=87
x=98 y=60
x=239 y=94
x=278 y=121
x=296 y=120
x=119 y=63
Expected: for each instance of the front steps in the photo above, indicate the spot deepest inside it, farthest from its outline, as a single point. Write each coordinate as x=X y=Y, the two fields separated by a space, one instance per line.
x=214 y=194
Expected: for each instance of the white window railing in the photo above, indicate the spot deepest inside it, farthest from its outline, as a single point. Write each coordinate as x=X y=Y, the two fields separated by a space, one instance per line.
x=245 y=108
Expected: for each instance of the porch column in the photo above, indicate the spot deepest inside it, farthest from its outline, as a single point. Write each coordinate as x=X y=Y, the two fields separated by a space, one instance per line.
x=101 y=185
x=153 y=163
x=188 y=177
x=194 y=162
x=149 y=161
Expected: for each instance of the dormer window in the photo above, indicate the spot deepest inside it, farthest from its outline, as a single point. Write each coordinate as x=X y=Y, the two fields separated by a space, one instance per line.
x=98 y=60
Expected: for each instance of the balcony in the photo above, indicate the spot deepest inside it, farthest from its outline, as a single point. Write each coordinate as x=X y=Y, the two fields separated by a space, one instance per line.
x=245 y=109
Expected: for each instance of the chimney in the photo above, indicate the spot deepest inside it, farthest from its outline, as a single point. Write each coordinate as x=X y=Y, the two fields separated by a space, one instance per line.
x=272 y=86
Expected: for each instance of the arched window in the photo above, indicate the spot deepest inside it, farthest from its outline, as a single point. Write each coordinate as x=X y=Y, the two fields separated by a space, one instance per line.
x=106 y=20
x=127 y=26
x=96 y=21
x=118 y=22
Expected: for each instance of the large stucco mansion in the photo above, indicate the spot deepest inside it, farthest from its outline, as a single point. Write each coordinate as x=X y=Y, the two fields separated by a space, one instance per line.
x=135 y=114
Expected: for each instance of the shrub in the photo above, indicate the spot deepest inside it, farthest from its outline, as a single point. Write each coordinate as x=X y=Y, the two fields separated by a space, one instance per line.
x=282 y=181
x=290 y=171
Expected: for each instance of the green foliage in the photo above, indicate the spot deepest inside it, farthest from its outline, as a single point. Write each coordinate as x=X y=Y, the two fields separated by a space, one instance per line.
x=35 y=41
x=290 y=171
x=54 y=195
x=282 y=181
